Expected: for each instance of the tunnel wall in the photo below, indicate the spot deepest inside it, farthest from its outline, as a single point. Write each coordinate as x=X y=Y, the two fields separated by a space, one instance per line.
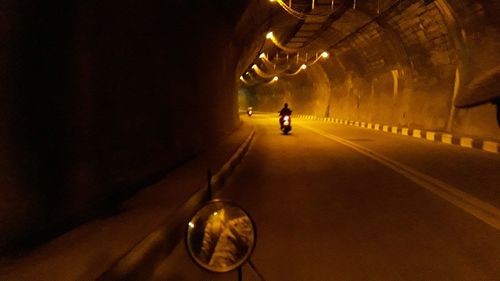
x=404 y=68
x=99 y=98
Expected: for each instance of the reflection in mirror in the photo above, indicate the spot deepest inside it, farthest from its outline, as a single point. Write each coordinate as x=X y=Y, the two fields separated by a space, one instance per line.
x=220 y=236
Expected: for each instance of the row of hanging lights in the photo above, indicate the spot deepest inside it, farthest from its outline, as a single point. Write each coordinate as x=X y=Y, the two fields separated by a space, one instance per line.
x=273 y=69
x=272 y=76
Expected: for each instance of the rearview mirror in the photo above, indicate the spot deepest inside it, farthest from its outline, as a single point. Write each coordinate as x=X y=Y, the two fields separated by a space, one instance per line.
x=220 y=236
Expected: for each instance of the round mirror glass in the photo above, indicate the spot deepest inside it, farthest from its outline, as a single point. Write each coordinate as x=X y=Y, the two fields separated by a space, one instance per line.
x=220 y=236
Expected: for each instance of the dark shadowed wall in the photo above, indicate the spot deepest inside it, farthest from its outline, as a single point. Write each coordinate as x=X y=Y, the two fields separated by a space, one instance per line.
x=98 y=98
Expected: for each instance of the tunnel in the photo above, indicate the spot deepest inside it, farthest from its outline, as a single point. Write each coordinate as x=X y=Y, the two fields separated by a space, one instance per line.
x=102 y=100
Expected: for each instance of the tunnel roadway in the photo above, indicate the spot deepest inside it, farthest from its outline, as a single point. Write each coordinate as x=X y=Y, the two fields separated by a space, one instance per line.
x=328 y=205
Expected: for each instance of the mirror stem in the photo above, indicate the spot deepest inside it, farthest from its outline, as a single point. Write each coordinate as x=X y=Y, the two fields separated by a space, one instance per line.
x=497 y=103
x=209 y=186
x=255 y=270
x=240 y=273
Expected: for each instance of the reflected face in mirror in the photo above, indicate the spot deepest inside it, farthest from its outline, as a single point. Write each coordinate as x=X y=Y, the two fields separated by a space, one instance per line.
x=220 y=236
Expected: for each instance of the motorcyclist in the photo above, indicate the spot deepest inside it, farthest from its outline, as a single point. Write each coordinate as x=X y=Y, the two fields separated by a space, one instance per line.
x=284 y=112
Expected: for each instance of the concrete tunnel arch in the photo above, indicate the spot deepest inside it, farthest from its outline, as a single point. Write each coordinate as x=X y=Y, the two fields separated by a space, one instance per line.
x=403 y=63
x=100 y=99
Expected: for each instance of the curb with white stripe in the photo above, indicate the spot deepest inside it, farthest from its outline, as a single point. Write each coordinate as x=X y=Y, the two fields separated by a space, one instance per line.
x=489 y=146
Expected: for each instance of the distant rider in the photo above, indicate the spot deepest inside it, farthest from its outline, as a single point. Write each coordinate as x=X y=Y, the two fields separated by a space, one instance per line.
x=284 y=112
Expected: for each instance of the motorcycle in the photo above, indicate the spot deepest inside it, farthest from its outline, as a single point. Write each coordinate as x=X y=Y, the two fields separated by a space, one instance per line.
x=221 y=237
x=286 y=124
x=249 y=111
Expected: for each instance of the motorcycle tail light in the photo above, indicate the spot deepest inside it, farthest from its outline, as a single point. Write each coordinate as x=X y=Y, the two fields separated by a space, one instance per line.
x=286 y=118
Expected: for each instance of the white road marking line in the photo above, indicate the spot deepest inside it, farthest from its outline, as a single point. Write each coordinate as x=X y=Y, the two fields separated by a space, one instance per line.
x=483 y=211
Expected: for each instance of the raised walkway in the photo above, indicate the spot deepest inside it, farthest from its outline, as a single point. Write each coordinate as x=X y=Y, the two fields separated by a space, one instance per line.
x=97 y=249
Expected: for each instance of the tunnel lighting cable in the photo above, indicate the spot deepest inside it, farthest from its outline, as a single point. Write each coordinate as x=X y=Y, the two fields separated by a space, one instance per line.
x=262 y=73
x=277 y=65
x=251 y=81
x=244 y=81
x=300 y=69
x=291 y=11
x=324 y=55
x=279 y=60
x=273 y=39
x=266 y=61
x=281 y=72
x=274 y=80
x=266 y=75
x=301 y=15
x=483 y=211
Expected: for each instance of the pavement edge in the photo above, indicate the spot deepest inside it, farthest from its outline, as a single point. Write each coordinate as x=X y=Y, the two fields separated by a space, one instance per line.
x=140 y=262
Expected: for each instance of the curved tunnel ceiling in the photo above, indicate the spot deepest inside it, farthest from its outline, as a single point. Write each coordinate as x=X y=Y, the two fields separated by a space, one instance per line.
x=345 y=28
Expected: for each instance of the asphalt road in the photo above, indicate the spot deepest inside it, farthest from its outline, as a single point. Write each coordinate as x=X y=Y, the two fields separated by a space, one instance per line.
x=334 y=202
